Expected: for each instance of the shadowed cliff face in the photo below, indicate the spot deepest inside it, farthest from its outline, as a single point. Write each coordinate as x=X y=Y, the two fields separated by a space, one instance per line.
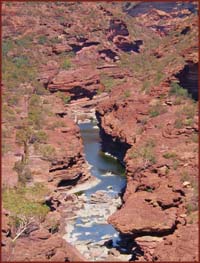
x=188 y=79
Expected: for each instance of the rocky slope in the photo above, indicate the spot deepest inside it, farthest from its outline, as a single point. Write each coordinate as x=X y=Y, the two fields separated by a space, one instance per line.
x=78 y=58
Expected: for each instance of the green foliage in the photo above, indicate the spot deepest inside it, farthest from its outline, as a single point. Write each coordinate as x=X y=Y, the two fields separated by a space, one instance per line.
x=66 y=99
x=48 y=152
x=177 y=90
x=21 y=61
x=5 y=147
x=189 y=110
x=25 y=41
x=127 y=93
x=24 y=134
x=185 y=176
x=149 y=189
x=41 y=136
x=146 y=152
x=79 y=193
x=26 y=201
x=17 y=71
x=178 y=124
x=23 y=171
x=55 y=40
x=35 y=112
x=7 y=45
x=185 y=116
x=34 y=100
x=169 y=155
x=195 y=138
x=57 y=124
x=8 y=113
x=42 y=40
x=158 y=77
x=40 y=90
x=156 y=110
x=13 y=100
x=109 y=82
x=66 y=64
x=146 y=85
x=54 y=227
x=191 y=207
x=175 y=164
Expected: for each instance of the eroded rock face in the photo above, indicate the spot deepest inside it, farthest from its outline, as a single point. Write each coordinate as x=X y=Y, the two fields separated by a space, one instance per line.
x=42 y=246
x=156 y=196
x=176 y=247
x=79 y=83
x=140 y=217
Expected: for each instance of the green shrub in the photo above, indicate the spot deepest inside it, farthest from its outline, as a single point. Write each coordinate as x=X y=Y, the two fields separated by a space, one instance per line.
x=42 y=40
x=156 y=110
x=191 y=207
x=57 y=124
x=13 y=100
x=34 y=100
x=149 y=189
x=189 y=110
x=178 y=101
x=195 y=138
x=146 y=152
x=66 y=99
x=107 y=81
x=40 y=90
x=66 y=64
x=35 y=112
x=25 y=41
x=41 y=136
x=158 y=78
x=169 y=155
x=23 y=171
x=177 y=90
x=127 y=93
x=178 y=124
x=55 y=40
x=24 y=134
x=175 y=164
x=48 y=152
x=7 y=45
x=185 y=176
x=8 y=113
x=188 y=122
x=25 y=202
x=21 y=61
x=17 y=70
x=5 y=148
x=146 y=86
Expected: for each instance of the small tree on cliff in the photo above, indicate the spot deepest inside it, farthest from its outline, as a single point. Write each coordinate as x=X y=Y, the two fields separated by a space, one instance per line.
x=23 y=138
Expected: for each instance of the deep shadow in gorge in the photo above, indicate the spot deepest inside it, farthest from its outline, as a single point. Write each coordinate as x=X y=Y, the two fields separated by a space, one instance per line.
x=112 y=145
x=188 y=79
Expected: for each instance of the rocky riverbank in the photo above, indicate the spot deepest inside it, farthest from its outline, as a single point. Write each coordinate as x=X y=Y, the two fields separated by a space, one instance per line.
x=161 y=167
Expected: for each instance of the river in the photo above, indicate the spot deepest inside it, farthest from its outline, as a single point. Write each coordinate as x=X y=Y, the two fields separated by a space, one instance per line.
x=90 y=232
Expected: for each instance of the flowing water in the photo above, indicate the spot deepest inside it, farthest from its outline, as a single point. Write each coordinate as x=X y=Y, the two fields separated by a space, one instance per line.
x=90 y=232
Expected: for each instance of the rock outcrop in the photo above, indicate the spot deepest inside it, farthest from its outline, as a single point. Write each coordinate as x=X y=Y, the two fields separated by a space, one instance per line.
x=79 y=83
